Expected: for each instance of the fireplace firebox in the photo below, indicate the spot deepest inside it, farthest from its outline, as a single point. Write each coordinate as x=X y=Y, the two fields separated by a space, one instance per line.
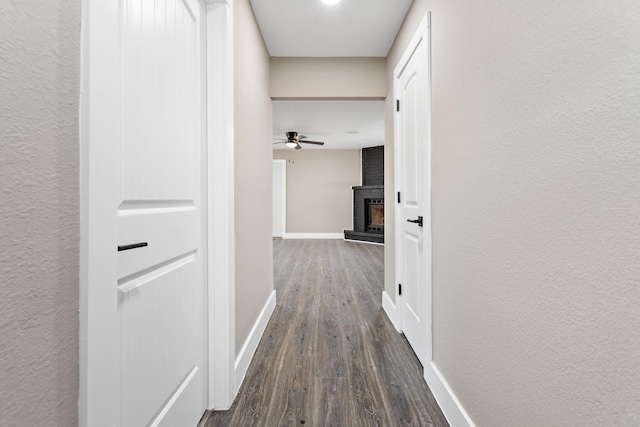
x=374 y=213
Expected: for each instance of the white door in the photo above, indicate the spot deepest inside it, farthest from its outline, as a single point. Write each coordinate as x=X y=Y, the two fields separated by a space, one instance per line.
x=279 y=197
x=146 y=350
x=413 y=182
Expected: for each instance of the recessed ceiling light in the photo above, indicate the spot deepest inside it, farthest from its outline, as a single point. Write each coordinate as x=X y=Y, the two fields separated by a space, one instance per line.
x=330 y=2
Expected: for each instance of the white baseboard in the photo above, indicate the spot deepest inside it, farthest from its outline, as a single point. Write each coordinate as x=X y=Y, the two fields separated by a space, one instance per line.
x=313 y=236
x=446 y=398
x=390 y=308
x=251 y=344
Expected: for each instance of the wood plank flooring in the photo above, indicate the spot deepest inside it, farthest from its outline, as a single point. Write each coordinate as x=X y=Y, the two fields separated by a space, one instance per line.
x=330 y=356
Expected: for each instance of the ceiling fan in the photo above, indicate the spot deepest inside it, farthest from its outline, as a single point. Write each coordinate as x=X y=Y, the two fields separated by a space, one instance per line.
x=294 y=140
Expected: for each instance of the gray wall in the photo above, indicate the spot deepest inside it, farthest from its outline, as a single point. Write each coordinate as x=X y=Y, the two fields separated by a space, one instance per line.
x=39 y=212
x=319 y=194
x=253 y=171
x=333 y=78
x=536 y=196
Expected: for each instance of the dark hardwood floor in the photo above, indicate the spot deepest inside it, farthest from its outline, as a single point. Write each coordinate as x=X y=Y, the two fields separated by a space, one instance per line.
x=330 y=356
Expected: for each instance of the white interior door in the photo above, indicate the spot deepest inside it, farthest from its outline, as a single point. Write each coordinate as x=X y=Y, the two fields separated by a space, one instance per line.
x=279 y=197
x=147 y=347
x=161 y=286
x=413 y=181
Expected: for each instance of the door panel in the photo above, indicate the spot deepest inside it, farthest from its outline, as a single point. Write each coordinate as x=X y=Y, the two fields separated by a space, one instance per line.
x=159 y=327
x=178 y=237
x=410 y=147
x=412 y=242
x=160 y=50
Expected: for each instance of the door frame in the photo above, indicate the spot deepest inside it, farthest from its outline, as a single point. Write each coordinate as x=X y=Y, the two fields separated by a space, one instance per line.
x=422 y=33
x=221 y=224
x=99 y=124
x=284 y=195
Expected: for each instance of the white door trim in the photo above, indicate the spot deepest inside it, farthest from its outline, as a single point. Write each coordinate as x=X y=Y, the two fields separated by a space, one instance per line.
x=421 y=33
x=221 y=239
x=100 y=124
x=283 y=207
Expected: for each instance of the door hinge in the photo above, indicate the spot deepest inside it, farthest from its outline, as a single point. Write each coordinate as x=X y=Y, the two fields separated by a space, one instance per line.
x=399 y=288
x=398 y=197
x=397 y=105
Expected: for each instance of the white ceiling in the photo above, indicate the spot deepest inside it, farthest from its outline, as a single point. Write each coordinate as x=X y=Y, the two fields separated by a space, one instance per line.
x=309 y=28
x=351 y=28
x=340 y=125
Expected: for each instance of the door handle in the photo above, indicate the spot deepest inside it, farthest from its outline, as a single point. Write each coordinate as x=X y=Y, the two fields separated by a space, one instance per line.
x=133 y=246
x=416 y=221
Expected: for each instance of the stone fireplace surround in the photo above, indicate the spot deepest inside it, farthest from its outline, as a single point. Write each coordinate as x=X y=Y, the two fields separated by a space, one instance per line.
x=372 y=188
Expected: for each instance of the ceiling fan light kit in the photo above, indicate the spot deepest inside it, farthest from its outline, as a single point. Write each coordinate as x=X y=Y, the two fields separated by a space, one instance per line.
x=294 y=139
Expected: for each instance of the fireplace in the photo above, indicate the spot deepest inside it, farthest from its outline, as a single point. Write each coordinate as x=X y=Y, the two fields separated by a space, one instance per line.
x=368 y=199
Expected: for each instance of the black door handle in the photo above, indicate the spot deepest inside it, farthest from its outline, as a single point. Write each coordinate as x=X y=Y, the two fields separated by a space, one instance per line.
x=133 y=246
x=416 y=221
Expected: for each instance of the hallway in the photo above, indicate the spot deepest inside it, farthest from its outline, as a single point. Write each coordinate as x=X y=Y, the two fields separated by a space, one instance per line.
x=330 y=356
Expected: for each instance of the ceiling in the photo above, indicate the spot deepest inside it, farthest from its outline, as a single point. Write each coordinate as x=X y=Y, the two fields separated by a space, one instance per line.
x=309 y=28
x=341 y=125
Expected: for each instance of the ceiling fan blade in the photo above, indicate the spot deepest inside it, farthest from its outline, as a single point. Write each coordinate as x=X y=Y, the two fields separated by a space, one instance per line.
x=280 y=142
x=302 y=137
x=312 y=142
x=298 y=147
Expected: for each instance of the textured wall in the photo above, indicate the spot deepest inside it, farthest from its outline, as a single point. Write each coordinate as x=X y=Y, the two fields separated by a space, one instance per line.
x=319 y=195
x=39 y=230
x=253 y=171
x=536 y=218
x=333 y=78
